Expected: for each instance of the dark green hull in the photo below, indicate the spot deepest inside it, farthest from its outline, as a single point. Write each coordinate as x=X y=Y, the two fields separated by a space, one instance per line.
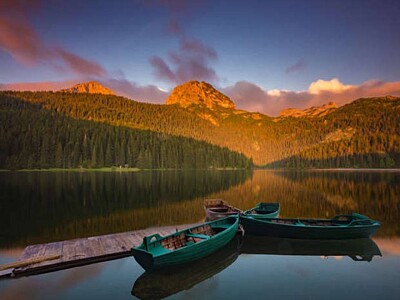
x=160 y=257
x=363 y=249
x=297 y=230
x=158 y=284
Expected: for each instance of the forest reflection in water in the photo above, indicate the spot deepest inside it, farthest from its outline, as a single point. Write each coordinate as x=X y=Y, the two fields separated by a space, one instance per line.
x=38 y=207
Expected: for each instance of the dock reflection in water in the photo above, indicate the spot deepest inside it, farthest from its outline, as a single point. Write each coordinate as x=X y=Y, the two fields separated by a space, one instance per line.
x=357 y=249
x=162 y=283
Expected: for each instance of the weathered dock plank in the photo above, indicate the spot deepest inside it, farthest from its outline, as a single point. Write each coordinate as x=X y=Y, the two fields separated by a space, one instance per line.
x=72 y=253
x=68 y=251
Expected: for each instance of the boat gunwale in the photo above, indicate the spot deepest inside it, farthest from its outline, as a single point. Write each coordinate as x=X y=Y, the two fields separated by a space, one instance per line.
x=298 y=224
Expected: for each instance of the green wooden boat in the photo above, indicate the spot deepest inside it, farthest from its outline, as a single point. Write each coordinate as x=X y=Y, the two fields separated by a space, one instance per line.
x=185 y=246
x=340 y=227
x=159 y=284
x=263 y=210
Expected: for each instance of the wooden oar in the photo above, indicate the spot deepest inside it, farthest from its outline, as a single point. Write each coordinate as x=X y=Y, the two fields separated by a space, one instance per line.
x=27 y=262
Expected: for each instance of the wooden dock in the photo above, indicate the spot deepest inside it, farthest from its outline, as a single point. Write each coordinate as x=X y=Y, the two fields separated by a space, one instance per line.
x=43 y=258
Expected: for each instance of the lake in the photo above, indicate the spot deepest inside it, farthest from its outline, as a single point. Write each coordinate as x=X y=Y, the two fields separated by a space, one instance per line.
x=40 y=207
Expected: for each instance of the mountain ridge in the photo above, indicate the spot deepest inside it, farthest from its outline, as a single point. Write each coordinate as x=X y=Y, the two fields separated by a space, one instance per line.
x=314 y=111
x=199 y=93
x=361 y=133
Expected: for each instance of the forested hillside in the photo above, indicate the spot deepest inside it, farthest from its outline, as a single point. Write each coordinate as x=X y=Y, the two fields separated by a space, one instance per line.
x=364 y=133
x=31 y=137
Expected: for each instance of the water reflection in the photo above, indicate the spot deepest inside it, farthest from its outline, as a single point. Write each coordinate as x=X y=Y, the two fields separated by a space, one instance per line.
x=315 y=194
x=44 y=207
x=165 y=282
x=357 y=249
x=38 y=207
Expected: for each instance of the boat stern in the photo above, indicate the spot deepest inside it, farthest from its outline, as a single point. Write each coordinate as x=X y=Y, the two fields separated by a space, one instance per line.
x=144 y=258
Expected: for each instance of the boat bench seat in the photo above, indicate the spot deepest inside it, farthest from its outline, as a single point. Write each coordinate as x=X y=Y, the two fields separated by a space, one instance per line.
x=204 y=229
x=199 y=236
x=174 y=242
x=223 y=226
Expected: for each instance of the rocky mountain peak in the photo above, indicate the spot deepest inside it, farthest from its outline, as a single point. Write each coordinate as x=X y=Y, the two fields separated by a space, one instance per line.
x=91 y=87
x=199 y=93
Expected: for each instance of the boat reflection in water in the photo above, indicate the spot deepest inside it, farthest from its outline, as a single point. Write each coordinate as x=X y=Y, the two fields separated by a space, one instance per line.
x=363 y=249
x=162 y=283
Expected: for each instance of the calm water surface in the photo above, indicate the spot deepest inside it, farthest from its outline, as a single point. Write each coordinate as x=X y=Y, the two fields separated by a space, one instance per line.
x=39 y=207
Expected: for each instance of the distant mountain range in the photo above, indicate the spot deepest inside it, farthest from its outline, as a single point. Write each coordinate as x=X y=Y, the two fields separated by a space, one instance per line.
x=364 y=133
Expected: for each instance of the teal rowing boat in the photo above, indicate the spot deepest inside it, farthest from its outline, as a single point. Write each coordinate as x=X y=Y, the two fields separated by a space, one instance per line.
x=159 y=284
x=185 y=246
x=263 y=210
x=340 y=227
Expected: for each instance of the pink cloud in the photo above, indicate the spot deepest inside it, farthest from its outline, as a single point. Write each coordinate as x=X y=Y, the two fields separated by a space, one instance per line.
x=21 y=42
x=251 y=97
x=26 y=47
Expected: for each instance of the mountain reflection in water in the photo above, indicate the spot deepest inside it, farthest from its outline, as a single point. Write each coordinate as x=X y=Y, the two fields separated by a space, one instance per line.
x=40 y=207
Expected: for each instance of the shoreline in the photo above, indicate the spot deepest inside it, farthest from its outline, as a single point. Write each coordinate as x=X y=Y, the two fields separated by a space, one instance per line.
x=358 y=170
x=114 y=169
x=121 y=170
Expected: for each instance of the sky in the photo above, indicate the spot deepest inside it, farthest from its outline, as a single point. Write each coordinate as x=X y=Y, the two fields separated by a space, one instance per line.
x=265 y=55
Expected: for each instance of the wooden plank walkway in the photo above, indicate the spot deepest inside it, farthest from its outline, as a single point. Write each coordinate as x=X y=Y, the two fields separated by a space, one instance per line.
x=83 y=251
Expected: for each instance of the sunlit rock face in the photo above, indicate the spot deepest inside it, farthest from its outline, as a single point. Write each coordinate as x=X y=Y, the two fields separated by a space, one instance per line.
x=199 y=93
x=315 y=111
x=91 y=87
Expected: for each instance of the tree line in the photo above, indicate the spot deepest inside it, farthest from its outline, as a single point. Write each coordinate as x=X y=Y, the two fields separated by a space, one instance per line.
x=364 y=133
x=32 y=137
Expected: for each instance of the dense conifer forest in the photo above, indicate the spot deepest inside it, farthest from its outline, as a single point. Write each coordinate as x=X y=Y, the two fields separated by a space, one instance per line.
x=364 y=133
x=32 y=137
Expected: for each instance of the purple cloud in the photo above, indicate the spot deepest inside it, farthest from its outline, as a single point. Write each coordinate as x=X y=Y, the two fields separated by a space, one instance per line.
x=190 y=62
x=297 y=67
x=132 y=90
